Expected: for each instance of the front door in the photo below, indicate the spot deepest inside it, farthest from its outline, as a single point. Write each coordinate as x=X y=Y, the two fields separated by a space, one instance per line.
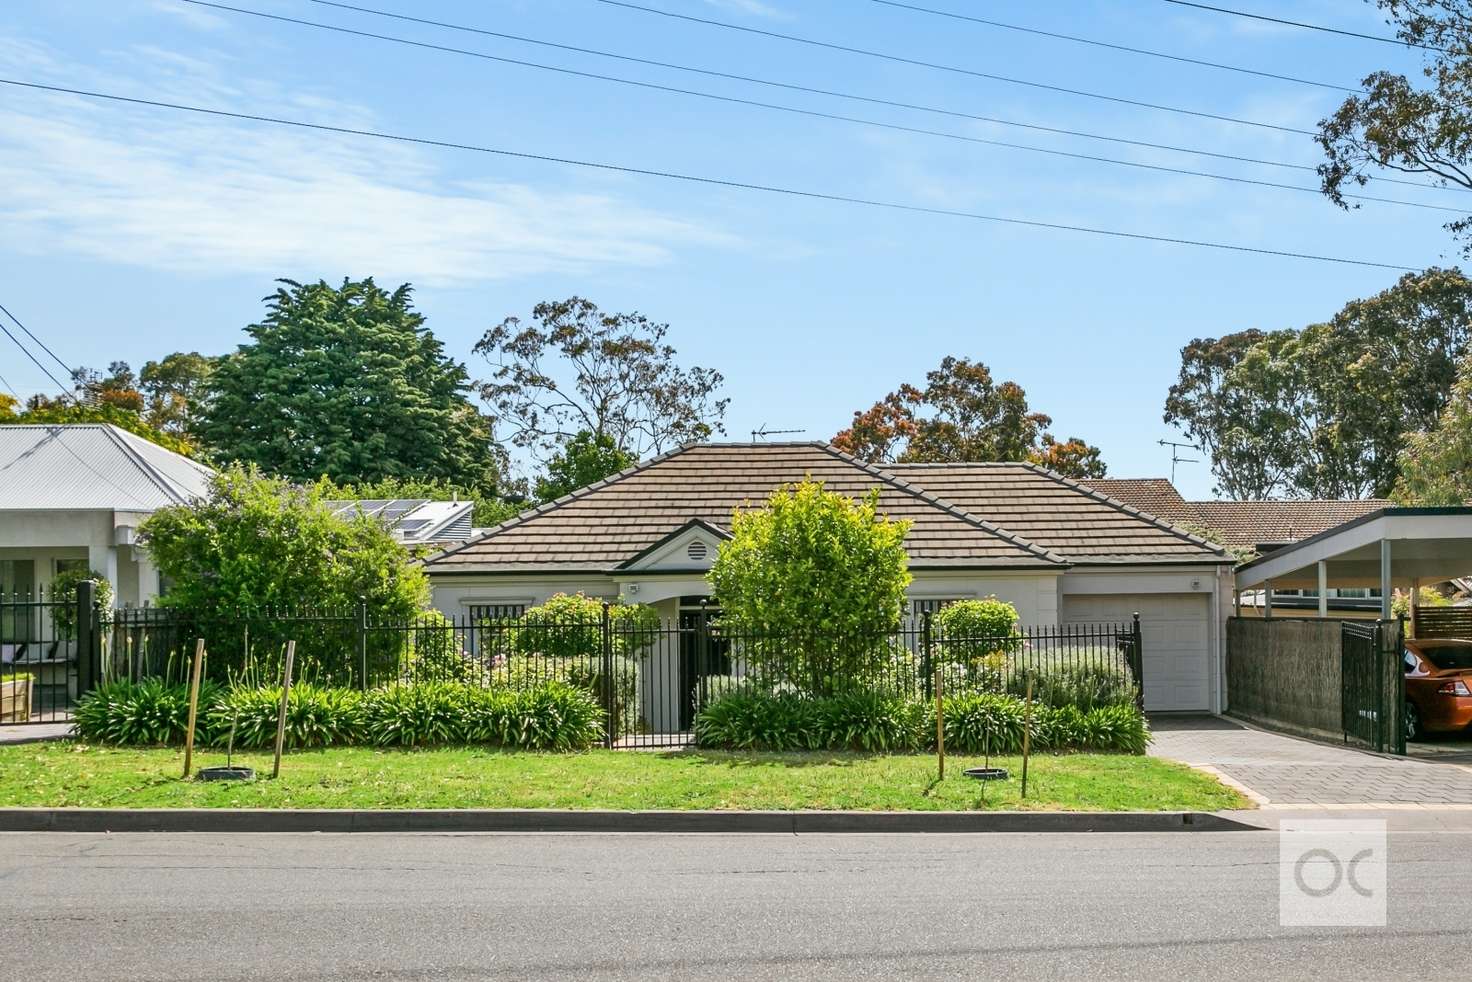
x=701 y=655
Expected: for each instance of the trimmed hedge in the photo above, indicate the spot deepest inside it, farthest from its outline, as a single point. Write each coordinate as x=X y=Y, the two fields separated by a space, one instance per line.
x=974 y=723
x=547 y=716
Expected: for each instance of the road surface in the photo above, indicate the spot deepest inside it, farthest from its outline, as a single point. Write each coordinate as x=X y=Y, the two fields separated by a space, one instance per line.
x=459 y=907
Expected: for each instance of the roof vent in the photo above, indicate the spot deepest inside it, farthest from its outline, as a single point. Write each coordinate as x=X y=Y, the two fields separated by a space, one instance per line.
x=696 y=550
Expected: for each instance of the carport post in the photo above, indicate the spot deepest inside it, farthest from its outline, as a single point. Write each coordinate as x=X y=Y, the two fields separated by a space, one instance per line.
x=1323 y=589
x=1385 y=580
x=1267 y=600
x=1415 y=602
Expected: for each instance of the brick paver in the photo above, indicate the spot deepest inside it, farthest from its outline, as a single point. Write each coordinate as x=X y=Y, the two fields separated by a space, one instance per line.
x=1287 y=770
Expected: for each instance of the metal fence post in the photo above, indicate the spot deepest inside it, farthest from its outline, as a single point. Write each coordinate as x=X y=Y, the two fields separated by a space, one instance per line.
x=926 y=672
x=363 y=640
x=610 y=703
x=1138 y=660
x=89 y=654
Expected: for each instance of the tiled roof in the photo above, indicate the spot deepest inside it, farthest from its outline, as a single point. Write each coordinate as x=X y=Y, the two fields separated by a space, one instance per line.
x=1058 y=513
x=1152 y=495
x=603 y=525
x=87 y=466
x=1247 y=524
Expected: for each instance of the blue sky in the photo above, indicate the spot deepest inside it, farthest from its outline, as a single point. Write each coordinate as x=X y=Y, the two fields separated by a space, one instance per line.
x=132 y=232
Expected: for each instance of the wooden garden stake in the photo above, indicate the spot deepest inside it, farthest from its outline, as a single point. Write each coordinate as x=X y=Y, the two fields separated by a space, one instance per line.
x=281 y=719
x=940 y=726
x=193 y=706
x=1026 y=733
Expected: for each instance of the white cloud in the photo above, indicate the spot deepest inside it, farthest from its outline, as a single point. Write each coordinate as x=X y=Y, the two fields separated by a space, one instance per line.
x=187 y=193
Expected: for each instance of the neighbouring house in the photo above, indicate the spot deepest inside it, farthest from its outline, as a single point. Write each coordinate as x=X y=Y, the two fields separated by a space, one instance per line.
x=1061 y=552
x=416 y=522
x=1257 y=528
x=74 y=495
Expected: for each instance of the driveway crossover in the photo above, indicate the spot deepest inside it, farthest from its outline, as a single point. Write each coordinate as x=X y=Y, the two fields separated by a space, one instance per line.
x=1285 y=770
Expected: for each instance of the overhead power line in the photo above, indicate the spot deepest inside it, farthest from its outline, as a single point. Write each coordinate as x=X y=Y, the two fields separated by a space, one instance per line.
x=795 y=87
x=1299 y=23
x=812 y=113
x=1095 y=42
x=64 y=366
x=956 y=69
x=27 y=352
x=711 y=181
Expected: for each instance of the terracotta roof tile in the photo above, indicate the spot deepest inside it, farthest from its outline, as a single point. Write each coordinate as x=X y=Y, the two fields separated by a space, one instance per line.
x=1247 y=524
x=600 y=526
x=1152 y=495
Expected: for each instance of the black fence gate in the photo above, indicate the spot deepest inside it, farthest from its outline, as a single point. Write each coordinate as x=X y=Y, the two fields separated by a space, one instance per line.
x=1373 y=684
x=47 y=647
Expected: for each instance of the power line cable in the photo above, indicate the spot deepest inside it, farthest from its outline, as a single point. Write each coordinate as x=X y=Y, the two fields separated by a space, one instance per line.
x=711 y=181
x=64 y=366
x=1299 y=23
x=1112 y=46
x=956 y=69
x=34 y=360
x=812 y=113
x=872 y=100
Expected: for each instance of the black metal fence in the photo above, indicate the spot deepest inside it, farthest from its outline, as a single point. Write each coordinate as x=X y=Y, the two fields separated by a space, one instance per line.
x=40 y=656
x=651 y=675
x=1373 y=680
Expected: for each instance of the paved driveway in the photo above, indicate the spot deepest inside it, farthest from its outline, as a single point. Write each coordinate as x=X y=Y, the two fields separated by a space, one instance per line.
x=1283 y=770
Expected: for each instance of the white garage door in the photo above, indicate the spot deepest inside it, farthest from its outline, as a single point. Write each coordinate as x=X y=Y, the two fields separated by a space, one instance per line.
x=1175 y=633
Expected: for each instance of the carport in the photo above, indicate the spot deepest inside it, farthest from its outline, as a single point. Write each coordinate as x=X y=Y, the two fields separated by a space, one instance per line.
x=1390 y=548
x=1344 y=680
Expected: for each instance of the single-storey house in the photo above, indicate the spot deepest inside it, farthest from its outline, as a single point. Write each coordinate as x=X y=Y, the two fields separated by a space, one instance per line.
x=75 y=494
x=1062 y=552
x=1257 y=528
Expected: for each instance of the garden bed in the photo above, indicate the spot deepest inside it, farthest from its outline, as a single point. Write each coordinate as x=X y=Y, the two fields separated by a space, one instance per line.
x=76 y=775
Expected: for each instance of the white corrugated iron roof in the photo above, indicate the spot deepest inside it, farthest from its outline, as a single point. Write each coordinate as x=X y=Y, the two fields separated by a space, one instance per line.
x=85 y=466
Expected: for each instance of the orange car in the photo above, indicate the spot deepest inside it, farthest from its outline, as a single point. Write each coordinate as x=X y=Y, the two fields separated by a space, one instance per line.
x=1438 y=686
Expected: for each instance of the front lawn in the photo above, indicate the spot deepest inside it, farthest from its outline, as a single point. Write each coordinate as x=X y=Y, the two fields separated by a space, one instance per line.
x=70 y=774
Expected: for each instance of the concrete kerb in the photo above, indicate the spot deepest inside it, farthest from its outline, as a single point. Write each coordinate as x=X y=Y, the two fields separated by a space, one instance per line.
x=494 y=820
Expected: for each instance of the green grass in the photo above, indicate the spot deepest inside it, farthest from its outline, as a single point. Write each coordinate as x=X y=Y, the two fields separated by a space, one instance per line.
x=70 y=774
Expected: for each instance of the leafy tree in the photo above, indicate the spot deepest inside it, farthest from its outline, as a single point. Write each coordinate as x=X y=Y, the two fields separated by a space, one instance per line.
x=1398 y=125
x=258 y=541
x=55 y=411
x=1072 y=458
x=578 y=369
x=1436 y=466
x=585 y=458
x=961 y=415
x=1323 y=412
x=9 y=405
x=489 y=510
x=347 y=382
x=809 y=569
x=261 y=541
x=174 y=390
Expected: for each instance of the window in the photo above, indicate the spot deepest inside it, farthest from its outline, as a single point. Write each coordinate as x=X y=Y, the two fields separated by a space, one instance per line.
x=923 y=607
x=495 y=612
x=67 y=565
x=17 y=582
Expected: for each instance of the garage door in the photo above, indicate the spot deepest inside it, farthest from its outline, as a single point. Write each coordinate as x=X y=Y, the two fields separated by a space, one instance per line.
x=1175 y=633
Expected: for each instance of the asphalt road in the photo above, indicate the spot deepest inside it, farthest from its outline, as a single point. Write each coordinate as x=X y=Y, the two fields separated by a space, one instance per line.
x=442 y=907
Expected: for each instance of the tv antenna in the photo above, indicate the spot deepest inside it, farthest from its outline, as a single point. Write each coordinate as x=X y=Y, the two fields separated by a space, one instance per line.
x=1175 y=455
x=758 y=435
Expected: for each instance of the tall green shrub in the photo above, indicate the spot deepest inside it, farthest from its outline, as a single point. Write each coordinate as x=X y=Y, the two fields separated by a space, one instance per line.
x=259 y=541
x=570 y=625
x=820 y=578
x=972 y=629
